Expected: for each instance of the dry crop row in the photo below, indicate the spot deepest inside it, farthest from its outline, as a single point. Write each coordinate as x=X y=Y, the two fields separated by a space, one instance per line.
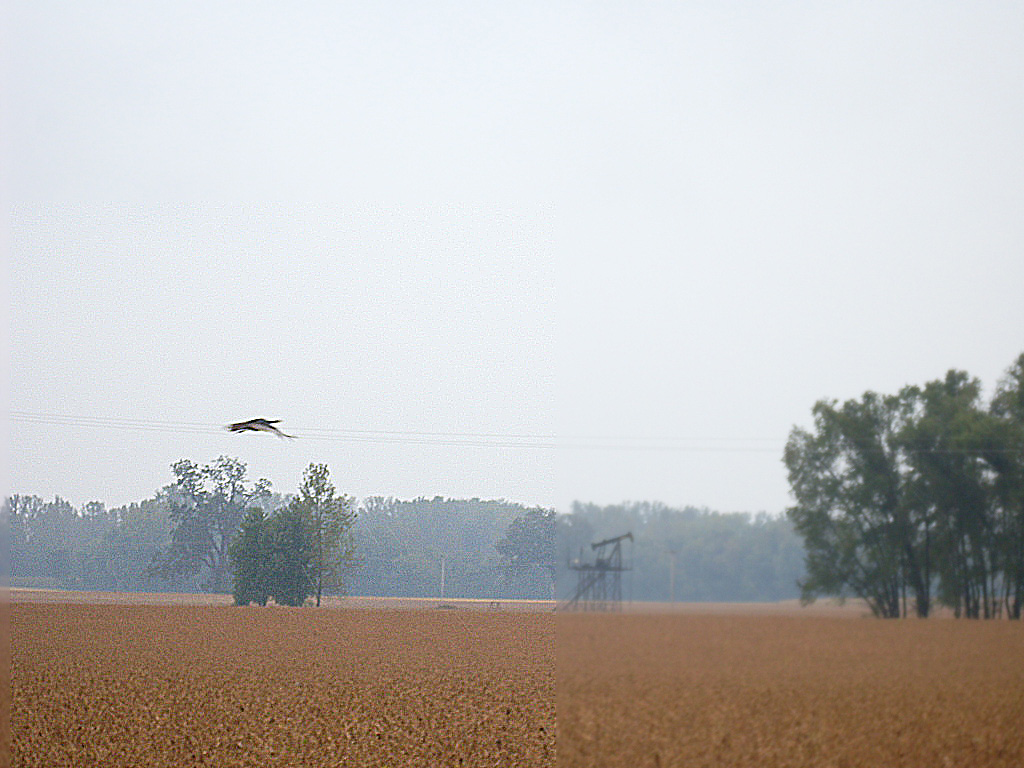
x=671 y=690
x=144 y=685
x=172 y=686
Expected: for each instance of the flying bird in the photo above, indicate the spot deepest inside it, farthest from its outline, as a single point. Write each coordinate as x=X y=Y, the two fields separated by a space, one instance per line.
x=259 y=425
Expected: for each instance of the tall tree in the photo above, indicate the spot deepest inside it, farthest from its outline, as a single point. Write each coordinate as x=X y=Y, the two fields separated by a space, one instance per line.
x=249 y=560
x=528 y=550
x=860 y=527
x=923 y=490
x=43 y=537
x=290 y=551
x=330 y=517
x=273 y=557
x=207 y=505
x=946 y=445
x=1008 y=409
x=142 y=533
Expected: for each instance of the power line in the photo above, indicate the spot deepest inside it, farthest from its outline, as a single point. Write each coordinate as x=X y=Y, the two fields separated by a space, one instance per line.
x=111 y=422
x=501 y=440
x=413 y=437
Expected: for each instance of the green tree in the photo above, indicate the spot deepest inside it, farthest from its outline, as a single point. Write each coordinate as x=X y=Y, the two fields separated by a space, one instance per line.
x=528 y=550
x=862 y=530
x=142 y=532
x=207 y=505
x=249 y=560
x=329 y=517
x=946 y=447
x=43 y=537
x=289 y=551
x=1008 y=409
x=272 y=557
x=924 y=490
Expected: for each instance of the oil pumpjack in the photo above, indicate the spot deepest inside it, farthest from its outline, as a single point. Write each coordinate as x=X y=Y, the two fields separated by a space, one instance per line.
x=599 y=584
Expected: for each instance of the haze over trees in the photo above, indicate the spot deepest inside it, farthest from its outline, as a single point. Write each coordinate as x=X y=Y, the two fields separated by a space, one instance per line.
x=916 y=498
x=207 y=505
x=490 y=548
x=528 y=551
x=52 y=544
x=687 y=554
x=402 y=545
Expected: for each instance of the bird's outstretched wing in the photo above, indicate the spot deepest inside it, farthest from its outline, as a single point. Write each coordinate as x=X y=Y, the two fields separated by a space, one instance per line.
x=258 y=425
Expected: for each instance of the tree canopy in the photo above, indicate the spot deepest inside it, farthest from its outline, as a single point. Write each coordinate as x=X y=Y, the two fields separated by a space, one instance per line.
x=528 y=550
x=916 y=494
x=491 y=548
x=296 y=551
x=207 y=505
x=329 y=517
x=686 y=554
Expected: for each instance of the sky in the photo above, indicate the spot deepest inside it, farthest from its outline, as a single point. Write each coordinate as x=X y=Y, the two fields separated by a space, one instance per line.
x=545 y=252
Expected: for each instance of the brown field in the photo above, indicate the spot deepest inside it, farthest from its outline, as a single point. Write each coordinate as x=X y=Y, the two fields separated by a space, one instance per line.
x=735 y=690
x=31 y=595
x=128 y=685
x=153 y=683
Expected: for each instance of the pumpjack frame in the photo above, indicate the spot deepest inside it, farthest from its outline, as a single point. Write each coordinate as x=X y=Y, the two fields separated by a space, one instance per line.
x=599 y=584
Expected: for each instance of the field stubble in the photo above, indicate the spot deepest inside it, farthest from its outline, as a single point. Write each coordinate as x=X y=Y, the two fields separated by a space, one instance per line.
x=691 y=690
x=145 y=685
x=103 y=685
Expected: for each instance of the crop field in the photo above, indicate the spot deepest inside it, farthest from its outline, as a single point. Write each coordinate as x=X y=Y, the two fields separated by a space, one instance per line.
x=735 y=690
x=104 y=684
x=131 y=685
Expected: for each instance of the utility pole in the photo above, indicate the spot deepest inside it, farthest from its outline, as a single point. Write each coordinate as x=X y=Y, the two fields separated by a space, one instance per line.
x=672 y=572
x=442 y=577
x=319 y=550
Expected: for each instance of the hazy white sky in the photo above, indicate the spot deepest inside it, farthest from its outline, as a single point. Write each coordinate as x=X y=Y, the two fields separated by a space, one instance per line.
x=515 y=227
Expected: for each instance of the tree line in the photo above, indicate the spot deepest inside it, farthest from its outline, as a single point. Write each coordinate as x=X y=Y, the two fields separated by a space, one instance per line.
x=212 y=529
x=915 y=499
x=686 y=554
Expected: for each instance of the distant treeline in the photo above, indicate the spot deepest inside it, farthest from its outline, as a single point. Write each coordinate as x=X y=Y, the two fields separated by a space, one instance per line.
x=53 y=544
x=398 y=547
x=689 y=554
x=402 y=545
x=486 y=548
